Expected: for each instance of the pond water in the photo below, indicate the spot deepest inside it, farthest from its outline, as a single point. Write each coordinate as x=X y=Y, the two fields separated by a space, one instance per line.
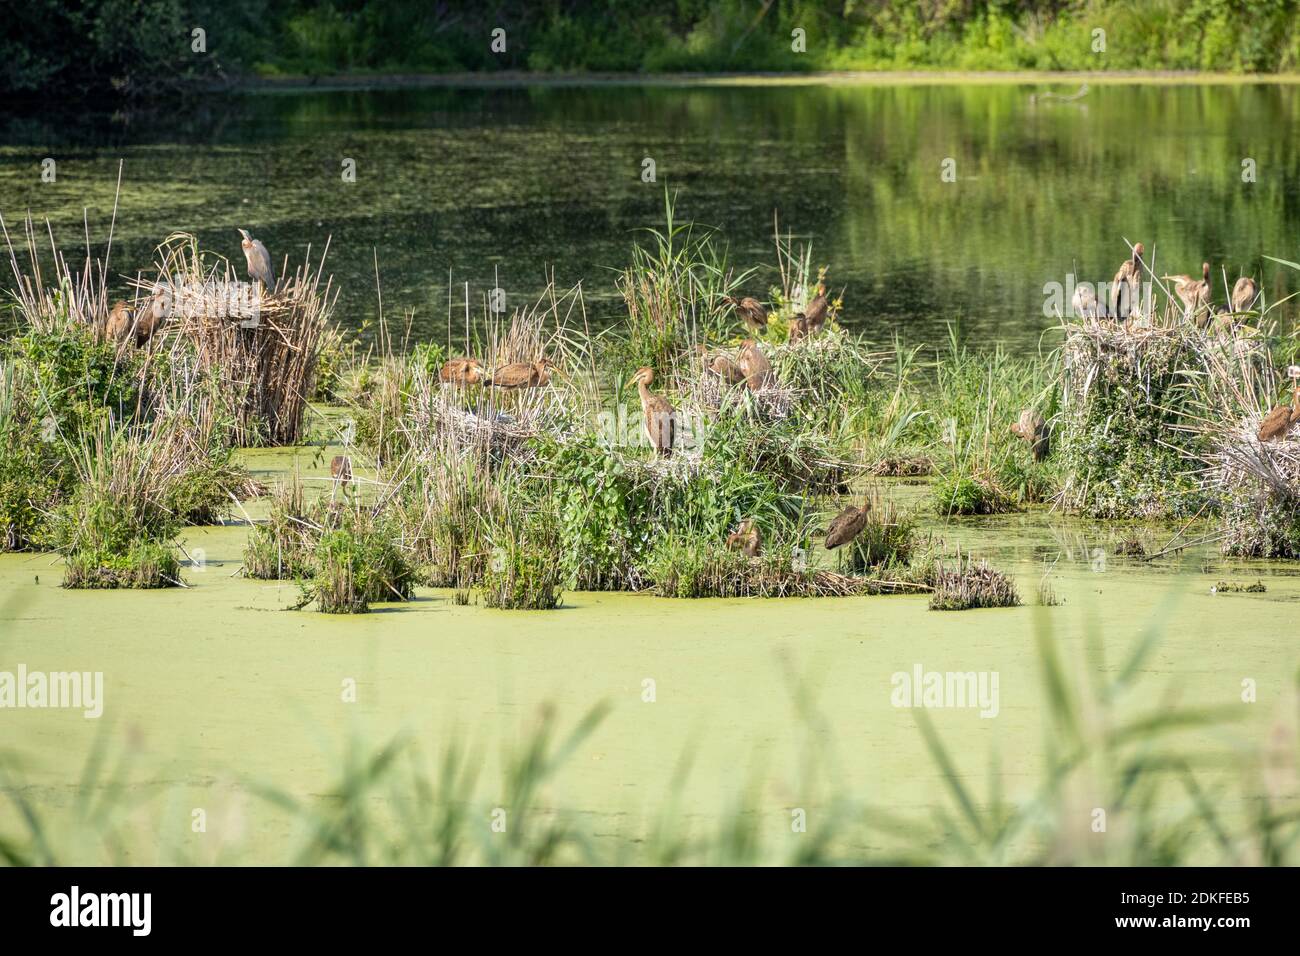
x=212 y=690
x=505 y=183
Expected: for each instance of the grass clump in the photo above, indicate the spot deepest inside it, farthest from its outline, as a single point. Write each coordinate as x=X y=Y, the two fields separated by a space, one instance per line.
x=887 y=540
x=526 y=567
x=357 y=564
x=971 y=584
x=1124 y=449
x=282 y=547
x=961 y=494
x=696 y=566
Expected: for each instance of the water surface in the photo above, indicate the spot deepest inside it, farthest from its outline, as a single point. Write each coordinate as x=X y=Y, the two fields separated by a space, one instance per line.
x=480 y=183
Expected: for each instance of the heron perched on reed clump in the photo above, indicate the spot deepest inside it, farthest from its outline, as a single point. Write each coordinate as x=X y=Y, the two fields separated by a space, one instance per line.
x=1126 y=287
x=462 y=371
x=751 y=310
x=523 y=374
x=1193 y=293
x=260 y=268
x=746 y=539
x=755 y=366
x=657 y=413
x=1244 y=294
x=1277 y=423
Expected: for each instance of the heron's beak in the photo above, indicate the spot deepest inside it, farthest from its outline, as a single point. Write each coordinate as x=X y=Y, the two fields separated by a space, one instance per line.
x=244 y=233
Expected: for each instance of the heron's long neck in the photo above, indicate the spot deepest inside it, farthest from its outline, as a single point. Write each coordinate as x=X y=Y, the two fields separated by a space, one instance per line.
x=644 y=389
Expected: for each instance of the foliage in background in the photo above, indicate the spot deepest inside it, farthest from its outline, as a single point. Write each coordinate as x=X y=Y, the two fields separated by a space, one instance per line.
x=142 y=49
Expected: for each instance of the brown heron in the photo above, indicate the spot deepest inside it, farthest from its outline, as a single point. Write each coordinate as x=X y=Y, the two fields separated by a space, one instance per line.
x=848 y=524
x=722 y=365
x=751 y=310
x=118 y=325
x=1127 y=285
x=1084 y=301
x=462 y=371
x=1033 y=430
x=657 y=413
x=156 y=310
x=1277 y=423
x=1194 y=293
x=814 y=313
x=523 y=374
x=798 y=328
x=755 y=366
x=341 y=469
x=259 y=261
x=746 y=539
x=1244 y=294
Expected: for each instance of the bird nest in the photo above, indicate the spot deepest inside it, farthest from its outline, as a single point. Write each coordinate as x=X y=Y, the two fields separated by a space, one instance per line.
x=1259 y=487
x=770 y=403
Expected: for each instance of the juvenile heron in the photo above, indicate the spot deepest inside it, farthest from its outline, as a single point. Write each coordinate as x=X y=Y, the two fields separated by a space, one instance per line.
x=118 y=325
x=848 y=524
x=755 y=366
x=1244 y=294
x=1033 y=430
x=1194 y=293
x=722 y=365
x=751 y=310
x=1277 y=423
x=462 y=371
x=657 y=413
x=1084 y=301
x=746 y=539
x=814 y=315
x=156 y=310
x=1127 y=285
x=523 y=374
x=341 y=469
x=259 y=261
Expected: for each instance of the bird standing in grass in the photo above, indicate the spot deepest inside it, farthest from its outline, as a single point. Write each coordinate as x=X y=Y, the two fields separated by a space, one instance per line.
x=462 y=371
x=523 y=374
x=755 y=366
x=341 y=469
x=259 y=261
x=1244 y=294
x=1033 y=429
x=656 y=413
x=848 y=524
x=1126 y=286
x=156 y=311
x=751 y=310
x=1278 y=422
x=746 y=539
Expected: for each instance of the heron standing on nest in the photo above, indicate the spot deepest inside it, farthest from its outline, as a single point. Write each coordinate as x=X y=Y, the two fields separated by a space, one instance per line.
x=462 y=371
x=814 y=315
x=259 y=261
x=751 y=310
x=656 y=412
x=746 y=539
x=1193 y=293
x=1278 y=422
x=523 y=374
x=755 y=366
x=1126 y=287
x=1244 y=294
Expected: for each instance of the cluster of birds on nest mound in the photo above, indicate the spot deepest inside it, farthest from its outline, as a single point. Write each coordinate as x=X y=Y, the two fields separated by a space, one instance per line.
x=747 y=367
x=126 y=325
x=1196 y=296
